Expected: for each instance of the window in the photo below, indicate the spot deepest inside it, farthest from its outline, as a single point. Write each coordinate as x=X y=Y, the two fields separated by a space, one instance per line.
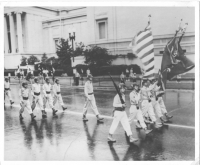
x=102 y=29
x=56 y=43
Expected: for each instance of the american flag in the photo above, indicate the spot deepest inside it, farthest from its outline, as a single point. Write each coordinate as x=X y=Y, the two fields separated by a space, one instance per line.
x=143 y=48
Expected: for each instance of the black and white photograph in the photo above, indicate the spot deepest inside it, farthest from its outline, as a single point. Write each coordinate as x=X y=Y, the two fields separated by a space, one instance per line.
x=100 y=82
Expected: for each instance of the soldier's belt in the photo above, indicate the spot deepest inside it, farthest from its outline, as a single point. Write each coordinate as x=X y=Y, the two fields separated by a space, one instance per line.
x=37 y=94
x=47 y=92
x=58 y=93
x=7 y=89
x=90 y=93
x=119 y=108
x=25 y=98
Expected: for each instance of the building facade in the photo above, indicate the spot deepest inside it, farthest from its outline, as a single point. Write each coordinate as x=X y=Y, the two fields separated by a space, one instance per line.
x=36 y=30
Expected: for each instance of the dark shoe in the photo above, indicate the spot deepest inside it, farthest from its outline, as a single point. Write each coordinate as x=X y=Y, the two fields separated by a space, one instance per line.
x=84 y=118
x=54 y=112
x=11 y=103
x=64 y=108
x=132 y=140
x=20 y=117
x=99 y=118
x=44 y=114
x=168 y=117
x=110 y=139
x=32 y=116
x=162 y=120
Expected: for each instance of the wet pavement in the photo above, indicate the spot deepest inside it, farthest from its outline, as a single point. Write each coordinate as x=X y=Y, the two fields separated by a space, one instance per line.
x=67 y=137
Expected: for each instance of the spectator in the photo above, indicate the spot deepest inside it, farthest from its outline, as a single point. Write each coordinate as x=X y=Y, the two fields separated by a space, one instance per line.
x=127 y=74
x=122 y=78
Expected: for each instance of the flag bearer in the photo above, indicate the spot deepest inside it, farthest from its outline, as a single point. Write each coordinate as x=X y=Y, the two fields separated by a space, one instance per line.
x=154 y=99
x=36 y=92
x=161 y=102
x=47 y=95
x=147 y=108
x=90 y=99
x=135 y=109
x=7 y=91
x=57 y=94
x=120 y=116
x=24 y=101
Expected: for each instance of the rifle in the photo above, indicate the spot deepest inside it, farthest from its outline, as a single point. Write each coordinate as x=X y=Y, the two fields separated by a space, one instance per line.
x=117 y=89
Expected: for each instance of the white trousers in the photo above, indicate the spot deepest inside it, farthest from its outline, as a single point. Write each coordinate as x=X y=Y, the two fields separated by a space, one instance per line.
x=49 y=99
x=25 y=104
x=136 y=114
x=59 y=99
x=156 y=107
x=147 y=110
x=8 y=94
x=91 y=101
x=162 y=105
x=120 y=116
x=38 y=100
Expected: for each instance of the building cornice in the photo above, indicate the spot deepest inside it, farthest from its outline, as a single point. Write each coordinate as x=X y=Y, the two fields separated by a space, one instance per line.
x=58 y=18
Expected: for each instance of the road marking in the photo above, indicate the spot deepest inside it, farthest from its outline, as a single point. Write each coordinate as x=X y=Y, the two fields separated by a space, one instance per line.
x=104 y=116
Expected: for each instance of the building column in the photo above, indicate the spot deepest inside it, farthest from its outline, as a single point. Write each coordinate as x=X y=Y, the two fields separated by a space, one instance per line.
x=12 y=33
x=19 y=32
x=6 y=47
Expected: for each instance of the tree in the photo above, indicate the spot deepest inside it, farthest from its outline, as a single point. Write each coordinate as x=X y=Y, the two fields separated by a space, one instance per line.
x=98 y=56
x=79 y=51
x=64 y=52
x=44 y=58
x=31 y=60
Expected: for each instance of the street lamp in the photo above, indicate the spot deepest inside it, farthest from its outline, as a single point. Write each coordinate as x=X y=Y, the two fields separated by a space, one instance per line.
x=72 y=37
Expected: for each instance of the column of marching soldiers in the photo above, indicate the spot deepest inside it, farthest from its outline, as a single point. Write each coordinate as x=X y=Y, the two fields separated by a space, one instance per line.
x=146 y=102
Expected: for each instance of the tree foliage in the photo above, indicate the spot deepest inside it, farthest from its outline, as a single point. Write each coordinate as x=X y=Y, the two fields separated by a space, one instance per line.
x=64 y=52
x=97 y=56
x=31 y=60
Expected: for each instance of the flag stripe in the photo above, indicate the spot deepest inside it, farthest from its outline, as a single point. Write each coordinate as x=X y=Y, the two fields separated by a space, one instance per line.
x=144 y=46
x=141 y=34
x=145 y=41
x=147 y=58
x=149 y=69
x=148 y=62
x=149 y=51
x=144 y=37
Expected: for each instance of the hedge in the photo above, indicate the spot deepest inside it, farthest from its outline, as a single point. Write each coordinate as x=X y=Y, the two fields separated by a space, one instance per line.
x=113 y=69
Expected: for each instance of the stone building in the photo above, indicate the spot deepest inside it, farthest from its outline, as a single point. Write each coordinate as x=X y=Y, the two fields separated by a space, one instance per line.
x=36 y=30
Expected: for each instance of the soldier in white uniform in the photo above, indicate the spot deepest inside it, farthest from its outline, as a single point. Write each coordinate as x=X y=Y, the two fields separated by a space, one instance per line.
x=90 y=99
x=154 y=100
x=57 y=94
x=161 y=102
x=147 y=108
x=24 y=101
x=7 y=91
x=120 y=116
x=135 y=109
x=36 y=92
x=47 y=95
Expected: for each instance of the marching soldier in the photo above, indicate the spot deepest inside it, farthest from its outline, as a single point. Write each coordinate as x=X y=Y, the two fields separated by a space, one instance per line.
x=25 y=103
x=7 y=91
x=47 y=95
x=120 y=116
x=161 y=102
x=36 y=88
x=154 y=100
x=90 y=99
x=147 y=108
x=135 y=109
x=57 y=94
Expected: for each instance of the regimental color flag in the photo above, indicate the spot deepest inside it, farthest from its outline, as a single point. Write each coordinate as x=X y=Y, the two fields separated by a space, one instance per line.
x=143 y=48
x=174 y=61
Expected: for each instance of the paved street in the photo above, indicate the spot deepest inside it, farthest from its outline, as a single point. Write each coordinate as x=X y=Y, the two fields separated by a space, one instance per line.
x=67 y=137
